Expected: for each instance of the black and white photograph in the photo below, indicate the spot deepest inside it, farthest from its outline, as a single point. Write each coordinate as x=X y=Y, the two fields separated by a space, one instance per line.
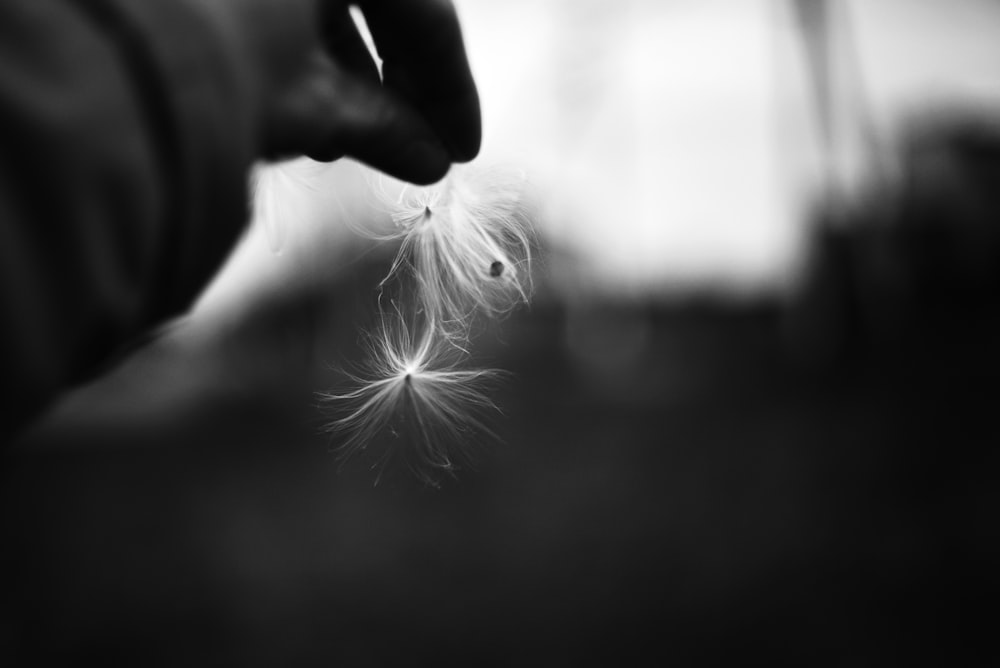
x=499 y=333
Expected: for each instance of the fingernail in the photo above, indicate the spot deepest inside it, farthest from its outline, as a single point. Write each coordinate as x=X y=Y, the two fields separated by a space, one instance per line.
x=424 y=162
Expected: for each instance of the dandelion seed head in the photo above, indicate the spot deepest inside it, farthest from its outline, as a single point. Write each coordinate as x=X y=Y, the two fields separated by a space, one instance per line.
x=464 y=249
x=413 y=387
x=450 y=231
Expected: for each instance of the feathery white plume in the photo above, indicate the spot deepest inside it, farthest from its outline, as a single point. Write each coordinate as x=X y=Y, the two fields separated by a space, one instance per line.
x=467 y=243
x=413 y=388
x=465 y=249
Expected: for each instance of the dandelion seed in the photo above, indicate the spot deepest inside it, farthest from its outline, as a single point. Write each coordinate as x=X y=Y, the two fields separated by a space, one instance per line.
x=465 y=248
x=413 y=387
x=449 y=232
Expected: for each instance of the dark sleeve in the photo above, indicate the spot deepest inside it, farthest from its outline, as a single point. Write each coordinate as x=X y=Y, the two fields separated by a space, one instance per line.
x=125 y=135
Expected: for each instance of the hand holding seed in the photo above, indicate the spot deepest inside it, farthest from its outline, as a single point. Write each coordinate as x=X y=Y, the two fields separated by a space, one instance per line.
x=322 y=94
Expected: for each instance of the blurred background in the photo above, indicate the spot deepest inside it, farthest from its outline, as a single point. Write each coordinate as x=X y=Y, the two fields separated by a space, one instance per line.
x=751 y=415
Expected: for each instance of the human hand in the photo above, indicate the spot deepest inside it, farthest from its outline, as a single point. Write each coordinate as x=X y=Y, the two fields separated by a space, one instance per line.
x=319 y=91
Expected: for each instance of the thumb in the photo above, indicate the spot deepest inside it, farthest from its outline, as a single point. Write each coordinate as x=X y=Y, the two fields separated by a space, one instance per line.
x=332 y=111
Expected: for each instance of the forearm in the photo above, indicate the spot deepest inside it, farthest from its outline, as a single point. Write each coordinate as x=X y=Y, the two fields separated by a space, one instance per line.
x=126 y=127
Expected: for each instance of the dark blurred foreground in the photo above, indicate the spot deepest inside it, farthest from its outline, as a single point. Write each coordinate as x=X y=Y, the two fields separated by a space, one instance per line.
x=804 y=483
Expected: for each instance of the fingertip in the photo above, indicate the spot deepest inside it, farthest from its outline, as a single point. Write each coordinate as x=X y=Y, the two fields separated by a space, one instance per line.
x=424 y=62
x=466 y=152
x=469 y=136
x=465 y=145
x=423 y=163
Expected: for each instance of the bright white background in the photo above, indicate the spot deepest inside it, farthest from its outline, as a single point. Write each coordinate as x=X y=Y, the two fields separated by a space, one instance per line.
x=672 y=145
x=675 y=142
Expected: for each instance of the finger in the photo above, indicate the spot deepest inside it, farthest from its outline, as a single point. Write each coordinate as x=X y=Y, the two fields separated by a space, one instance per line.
x=344 y=43
x=335 y=113
x=424 y=62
